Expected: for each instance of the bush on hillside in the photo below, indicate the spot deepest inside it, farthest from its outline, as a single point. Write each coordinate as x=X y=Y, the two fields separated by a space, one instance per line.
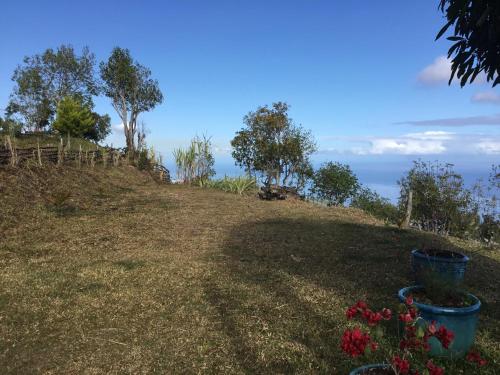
x=441 y=203
x=372 y=203
x=334 y=183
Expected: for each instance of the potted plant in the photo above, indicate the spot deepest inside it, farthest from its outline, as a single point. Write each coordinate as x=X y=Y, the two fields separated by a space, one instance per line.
x=445 y=305
x=446 y=264
x=412 y=355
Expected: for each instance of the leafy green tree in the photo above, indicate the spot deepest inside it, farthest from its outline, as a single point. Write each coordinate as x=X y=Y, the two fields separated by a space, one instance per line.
x=476 y=37
x=74 y=118
x=42 y=81
x=334 y=183
x=371 y=202
x=441 y=203
x=100 y=129
x=132 y=90
x=10 y=127
x=272 y=146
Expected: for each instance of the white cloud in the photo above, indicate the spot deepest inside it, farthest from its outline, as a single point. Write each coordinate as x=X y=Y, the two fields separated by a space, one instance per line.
x=439 y=73
x=433 y=142
x=436 y=73
x=118 y=128
x=486 y=97
x=224 y=150
x=431 y=135
x=405 y=147
x=424 y=143
x=490 y=147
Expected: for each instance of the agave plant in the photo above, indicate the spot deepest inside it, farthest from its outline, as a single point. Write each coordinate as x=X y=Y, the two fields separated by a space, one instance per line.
x=236 y=185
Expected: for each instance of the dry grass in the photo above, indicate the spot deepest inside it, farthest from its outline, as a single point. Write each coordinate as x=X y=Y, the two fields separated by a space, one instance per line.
x=109 y=272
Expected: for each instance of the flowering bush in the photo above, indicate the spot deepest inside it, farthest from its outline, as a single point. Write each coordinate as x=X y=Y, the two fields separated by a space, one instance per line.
x=415 y=340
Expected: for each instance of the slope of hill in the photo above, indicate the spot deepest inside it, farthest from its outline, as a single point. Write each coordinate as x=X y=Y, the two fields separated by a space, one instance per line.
x=106 y=271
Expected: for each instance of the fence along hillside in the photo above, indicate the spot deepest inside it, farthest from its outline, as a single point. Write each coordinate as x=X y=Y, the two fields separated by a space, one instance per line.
x=12 y=155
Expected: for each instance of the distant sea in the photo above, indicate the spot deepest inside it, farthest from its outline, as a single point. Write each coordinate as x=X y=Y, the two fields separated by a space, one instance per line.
x=381 y=176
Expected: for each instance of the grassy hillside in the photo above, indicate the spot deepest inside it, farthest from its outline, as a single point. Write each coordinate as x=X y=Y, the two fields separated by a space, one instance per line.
x=106 y=271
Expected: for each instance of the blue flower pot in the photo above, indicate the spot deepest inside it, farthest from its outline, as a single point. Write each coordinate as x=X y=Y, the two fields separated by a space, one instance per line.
x=449 y=269
x=360 y=370
x=461 y=321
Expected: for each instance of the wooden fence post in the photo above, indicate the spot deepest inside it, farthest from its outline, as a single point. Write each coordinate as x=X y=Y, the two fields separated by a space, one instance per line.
x=13 y=153
x=39 y=153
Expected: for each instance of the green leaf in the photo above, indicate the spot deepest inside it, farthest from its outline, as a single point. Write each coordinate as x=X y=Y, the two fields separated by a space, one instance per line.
x=401 y=308
x=420 y=332
x=443 y=30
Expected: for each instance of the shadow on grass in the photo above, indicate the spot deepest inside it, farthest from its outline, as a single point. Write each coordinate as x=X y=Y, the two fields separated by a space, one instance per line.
x=282 y=287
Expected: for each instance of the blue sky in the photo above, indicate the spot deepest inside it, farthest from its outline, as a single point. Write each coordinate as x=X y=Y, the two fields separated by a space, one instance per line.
x=365 y=77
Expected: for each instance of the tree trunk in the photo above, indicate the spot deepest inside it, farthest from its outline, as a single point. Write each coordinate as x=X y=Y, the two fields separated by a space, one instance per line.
x=409 y=204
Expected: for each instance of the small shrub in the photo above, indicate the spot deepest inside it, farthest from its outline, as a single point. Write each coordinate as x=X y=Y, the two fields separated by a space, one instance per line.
x=59 y=202
x=489 y=229
x=144 y=163
x=60 y=198
x=196 y=163
x=372 y=203
x=334 y=183
x=236 y=185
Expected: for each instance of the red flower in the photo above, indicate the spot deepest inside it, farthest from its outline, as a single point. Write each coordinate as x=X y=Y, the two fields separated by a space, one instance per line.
x=405 y=318
x=425 y=345
x=386 y=314
x=366 y=313
x=351 y=312
x=431 y=328
x=475 y=357
x=373 y=346
x=402 y=366
x=361 y=305
x=374 y=318
x=409 y=300
x=444 y=336
x=354 y=342
x=433 y=369
x=413 y=312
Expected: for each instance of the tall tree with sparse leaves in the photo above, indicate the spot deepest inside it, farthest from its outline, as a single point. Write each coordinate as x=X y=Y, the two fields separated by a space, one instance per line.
x=476 y=37
x=131 y=89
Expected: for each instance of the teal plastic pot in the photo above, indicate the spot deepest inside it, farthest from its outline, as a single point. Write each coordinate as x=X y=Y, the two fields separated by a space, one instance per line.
x=462 y=321
x=360 y=370
x=449 y=269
